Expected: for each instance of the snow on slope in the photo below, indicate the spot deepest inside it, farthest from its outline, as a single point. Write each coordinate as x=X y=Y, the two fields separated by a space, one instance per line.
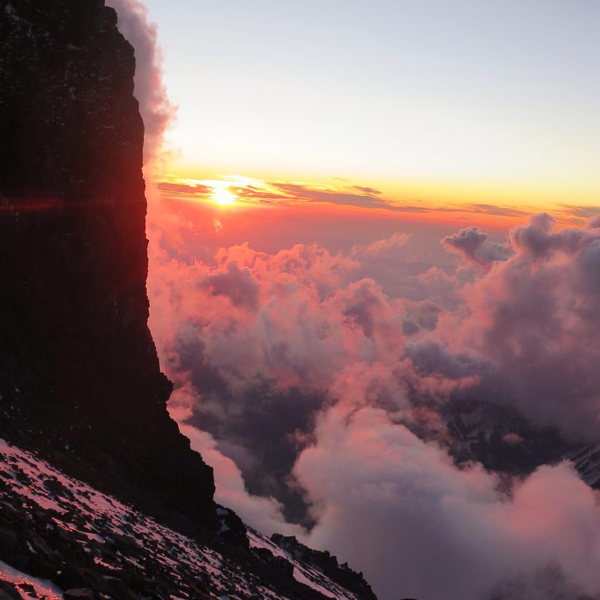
x=115 y=539
x=303 y=572
x=25 y=584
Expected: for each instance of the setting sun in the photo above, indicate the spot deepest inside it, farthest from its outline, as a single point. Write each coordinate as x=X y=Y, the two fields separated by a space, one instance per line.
x=222 y=196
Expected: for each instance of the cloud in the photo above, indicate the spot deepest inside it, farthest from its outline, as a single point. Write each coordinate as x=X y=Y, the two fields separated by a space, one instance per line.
x=534 y=317
x=422 y=315
x=381 y=248
x=261 y=339
x=473 y=245
x=295 y=317
x=361 y=199
x=578 y=214
x=309 y=387
x=253 y=192
x=235 y=283
x=493 y=209
x=420 y=527
x=549 y=583
x=263 y=513
x=276 y=192
x=185 y=188
x=594 y=222
x=367 y=190
x=157 y=110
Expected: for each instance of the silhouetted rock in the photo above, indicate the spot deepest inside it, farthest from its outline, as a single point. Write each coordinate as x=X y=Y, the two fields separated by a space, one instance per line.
x=8 y=591
x=328 y=564
x=79 y=373
x=8 y=542
x=79 y=594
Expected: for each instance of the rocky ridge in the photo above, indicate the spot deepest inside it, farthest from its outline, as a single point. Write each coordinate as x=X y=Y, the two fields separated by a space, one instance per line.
x=62 y=531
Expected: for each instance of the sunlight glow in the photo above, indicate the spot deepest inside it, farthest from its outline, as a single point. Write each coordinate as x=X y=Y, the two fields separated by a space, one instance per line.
x=346 y=196
x=222 y=196
x=214 y=191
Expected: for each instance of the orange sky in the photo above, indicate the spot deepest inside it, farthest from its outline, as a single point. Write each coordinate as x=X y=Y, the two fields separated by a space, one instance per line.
x=231 y=193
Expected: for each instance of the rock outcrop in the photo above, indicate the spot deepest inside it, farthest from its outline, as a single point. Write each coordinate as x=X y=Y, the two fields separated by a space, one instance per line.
x=79 y=373
x=65 y=535
x=327 y=564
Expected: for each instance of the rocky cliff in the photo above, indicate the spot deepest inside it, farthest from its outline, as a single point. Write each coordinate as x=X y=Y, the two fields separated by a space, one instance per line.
x=79 y=373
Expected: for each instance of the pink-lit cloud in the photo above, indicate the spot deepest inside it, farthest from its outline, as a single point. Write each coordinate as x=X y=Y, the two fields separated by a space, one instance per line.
x=308 y=318
x=473 y=245
x=324 y=372
x=535 y=317
x=420 y=527
x=157 y=110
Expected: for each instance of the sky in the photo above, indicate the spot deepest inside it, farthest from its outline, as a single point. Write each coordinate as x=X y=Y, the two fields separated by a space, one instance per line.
x=369 y=223
x=468 y=101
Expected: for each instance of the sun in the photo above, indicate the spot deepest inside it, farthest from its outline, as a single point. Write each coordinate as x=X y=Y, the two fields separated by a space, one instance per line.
x=222 y=196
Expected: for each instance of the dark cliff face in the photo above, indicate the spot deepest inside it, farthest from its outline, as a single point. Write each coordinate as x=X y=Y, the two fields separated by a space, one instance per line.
x=79 y=373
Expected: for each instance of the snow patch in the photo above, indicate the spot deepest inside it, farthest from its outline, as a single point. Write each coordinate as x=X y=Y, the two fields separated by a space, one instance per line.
x=20 y=579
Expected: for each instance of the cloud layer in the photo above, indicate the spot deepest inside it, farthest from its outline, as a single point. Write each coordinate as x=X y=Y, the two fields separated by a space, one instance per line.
x=420 y=527
x=317 y=389
x=535 y=317
x=317 y=380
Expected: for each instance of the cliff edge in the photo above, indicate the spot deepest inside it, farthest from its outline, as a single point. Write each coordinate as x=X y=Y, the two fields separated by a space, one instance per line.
x=79 y=375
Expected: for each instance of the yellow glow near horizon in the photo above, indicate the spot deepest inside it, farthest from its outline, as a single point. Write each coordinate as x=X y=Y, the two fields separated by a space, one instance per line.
x=517 y=193
x=222 y=196
x=461 y=206
x=215 y=191
x=489 y=110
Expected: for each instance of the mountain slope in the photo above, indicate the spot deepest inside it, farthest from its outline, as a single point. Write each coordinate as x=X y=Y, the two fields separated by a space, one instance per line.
x=64 y=531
